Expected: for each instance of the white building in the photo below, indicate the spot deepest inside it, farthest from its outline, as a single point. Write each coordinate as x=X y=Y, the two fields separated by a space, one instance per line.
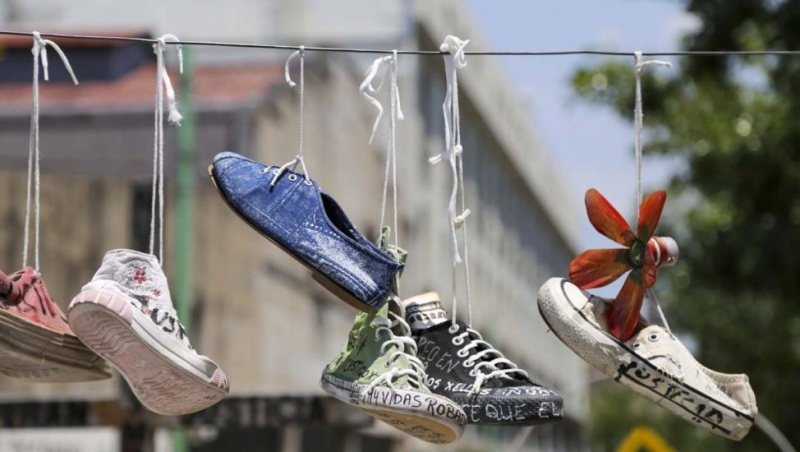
x=276 y=330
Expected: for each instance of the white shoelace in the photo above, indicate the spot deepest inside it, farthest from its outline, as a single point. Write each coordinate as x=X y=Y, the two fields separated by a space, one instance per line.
x=483 y=359
x=39 y=51
x=406 y=347
x=638 y=127
x=163 y=86
x=455 y=59
x=395 y=113
x=299 y=157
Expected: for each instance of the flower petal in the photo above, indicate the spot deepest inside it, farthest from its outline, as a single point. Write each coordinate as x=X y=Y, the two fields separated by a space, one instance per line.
x=623 y=314
x=649 y=214
x=596 y=268
x=606 y=220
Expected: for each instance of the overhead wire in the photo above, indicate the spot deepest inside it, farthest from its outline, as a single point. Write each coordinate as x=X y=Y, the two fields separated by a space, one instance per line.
x=410 y=52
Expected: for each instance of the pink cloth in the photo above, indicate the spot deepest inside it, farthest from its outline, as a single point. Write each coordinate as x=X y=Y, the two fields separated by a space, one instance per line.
x=24 y=294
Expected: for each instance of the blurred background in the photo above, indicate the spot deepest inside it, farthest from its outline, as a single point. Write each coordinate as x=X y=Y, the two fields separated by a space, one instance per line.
x=537 y=132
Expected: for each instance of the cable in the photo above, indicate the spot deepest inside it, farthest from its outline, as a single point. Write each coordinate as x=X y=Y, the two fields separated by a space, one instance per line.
x=414 y=52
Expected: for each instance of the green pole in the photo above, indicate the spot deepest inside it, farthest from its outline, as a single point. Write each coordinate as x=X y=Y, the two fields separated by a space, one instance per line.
x=185 y=209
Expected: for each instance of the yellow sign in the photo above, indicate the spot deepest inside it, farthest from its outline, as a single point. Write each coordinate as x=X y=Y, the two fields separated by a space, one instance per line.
x=644 y=439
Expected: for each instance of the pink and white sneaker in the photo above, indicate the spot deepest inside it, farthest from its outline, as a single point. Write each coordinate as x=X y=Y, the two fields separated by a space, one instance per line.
x=125 y=315
x=36 y=343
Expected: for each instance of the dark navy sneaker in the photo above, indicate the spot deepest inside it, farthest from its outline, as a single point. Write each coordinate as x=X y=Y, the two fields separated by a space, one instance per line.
x=466 y=369
x=290 y=210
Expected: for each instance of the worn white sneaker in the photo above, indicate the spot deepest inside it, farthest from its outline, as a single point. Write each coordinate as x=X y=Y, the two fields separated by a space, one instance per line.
x=125 y=315
x=653 y=363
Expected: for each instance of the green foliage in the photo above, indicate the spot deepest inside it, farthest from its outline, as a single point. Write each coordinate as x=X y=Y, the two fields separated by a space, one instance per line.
x=607 y=432
x=734 y=207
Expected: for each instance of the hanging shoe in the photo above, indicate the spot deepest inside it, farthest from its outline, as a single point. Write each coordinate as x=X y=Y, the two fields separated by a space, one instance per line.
x=378 y=371
x=36 y=343
x=309 y=225
x=468 y=370
x=653 y=362
x=125 y=314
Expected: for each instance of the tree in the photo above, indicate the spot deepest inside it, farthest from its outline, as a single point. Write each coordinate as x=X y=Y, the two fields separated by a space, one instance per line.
x=735 y=208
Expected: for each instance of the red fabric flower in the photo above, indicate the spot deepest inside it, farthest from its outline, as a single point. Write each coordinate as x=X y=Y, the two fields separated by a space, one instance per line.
x=642 y=255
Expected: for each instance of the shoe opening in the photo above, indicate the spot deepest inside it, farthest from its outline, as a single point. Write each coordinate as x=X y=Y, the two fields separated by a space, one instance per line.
x=338 y=218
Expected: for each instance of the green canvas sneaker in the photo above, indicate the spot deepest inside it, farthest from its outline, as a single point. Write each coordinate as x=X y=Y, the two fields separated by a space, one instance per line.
x=379 y=372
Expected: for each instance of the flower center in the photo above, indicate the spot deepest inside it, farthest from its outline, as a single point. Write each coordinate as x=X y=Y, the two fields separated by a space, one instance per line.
x=636 y=254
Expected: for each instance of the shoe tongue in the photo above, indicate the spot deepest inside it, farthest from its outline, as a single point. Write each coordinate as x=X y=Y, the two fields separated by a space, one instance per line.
x=424 y=311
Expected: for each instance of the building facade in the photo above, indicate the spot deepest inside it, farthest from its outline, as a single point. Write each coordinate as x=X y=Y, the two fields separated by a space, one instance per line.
x=254 y=310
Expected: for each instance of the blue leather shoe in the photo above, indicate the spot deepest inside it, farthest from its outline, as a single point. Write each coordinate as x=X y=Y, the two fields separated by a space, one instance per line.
x=291 y=211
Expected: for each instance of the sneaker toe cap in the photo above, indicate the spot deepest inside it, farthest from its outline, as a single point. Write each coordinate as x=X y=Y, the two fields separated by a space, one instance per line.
x=234 y=172
x=561 y=292
x=227 y=162
x=524 y=405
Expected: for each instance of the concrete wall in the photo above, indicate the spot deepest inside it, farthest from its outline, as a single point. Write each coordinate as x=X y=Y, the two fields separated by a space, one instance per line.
x=81 y=218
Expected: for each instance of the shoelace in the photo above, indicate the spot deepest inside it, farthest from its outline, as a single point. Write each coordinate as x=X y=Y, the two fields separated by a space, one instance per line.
x=299 y=157
x=163 y=88
x=455 y=59
x=367 y=89
x=482 y=359
x=416 y=372
x=639 y=66
x=39 y=51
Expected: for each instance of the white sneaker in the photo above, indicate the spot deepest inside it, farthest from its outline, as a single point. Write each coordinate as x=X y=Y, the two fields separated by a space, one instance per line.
x=125 y=315
x=653 y=363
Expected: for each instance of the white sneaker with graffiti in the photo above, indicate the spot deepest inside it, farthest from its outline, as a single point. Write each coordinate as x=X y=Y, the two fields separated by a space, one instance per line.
x=125 y=315
x=653 y=363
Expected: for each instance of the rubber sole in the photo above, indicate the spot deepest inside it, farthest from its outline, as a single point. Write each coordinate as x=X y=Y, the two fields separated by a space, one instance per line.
x=415 y=422
x=161 y=384
x=419 y=427
x=32 y=352
x=322 y=279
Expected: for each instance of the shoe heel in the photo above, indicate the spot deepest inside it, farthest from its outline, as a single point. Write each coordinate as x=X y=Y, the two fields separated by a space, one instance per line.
x=340 y=293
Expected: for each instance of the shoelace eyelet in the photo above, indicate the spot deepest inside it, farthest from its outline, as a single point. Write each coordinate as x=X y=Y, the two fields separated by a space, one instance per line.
x=653 y=337
x=473 y=373
x=453 y=329
x=462 y=353
x=292 y=177
x=307 y=182
x=275 y=171
x=636 y=345
x=468 y=363
x=458 y=341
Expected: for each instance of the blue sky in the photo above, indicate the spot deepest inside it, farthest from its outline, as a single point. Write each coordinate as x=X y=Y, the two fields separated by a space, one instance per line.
x=594 y=146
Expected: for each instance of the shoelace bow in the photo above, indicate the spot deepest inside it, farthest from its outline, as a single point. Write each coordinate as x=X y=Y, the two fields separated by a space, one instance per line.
x=482 y=359
x=416 y=372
